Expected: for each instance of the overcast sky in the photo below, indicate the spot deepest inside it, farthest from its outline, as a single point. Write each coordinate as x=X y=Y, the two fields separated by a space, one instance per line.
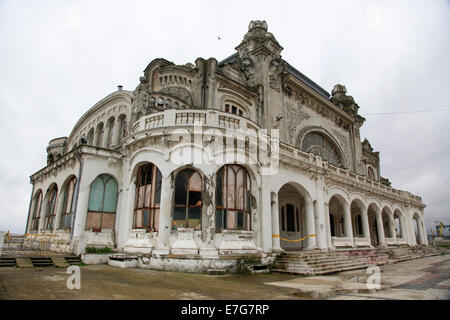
x=58 y=58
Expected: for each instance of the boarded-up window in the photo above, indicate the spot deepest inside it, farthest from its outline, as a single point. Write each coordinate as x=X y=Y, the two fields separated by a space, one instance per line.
x=148 y=198
x=50 y=206
x=187 y=207
x=233 y=198
x=67 y=210
x=37 y=211
x=102 y=204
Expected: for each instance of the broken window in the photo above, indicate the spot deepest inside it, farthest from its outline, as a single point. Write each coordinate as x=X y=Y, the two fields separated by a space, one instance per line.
x=148 y=198
x=233 y=198
x=50 y=207
x=100 y=130
x=234 y=109
x=67 y=212
x=102 y=204
x=37 y=211
x=187 y=207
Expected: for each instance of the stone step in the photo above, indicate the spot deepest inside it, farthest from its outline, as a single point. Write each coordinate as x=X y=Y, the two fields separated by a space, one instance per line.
x=323 y=266
x=314 y=260
x=42 y=262
x=7 y=262
x=73 y=259
x=59 y=262
x=24 y=262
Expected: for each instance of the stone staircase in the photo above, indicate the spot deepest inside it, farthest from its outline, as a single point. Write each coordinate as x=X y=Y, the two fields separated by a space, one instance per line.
x=7 y=262
x=399 y=254
x=323 y=262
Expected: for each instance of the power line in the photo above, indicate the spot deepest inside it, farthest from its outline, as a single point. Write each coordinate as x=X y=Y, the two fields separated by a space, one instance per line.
x=403 y=112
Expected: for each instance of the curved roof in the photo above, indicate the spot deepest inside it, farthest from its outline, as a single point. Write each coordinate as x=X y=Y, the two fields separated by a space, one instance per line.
x=123 y=93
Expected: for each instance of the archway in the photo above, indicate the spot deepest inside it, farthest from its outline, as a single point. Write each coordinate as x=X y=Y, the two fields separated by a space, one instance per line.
x=338 y=217
x=357 y=211
x=292 y=216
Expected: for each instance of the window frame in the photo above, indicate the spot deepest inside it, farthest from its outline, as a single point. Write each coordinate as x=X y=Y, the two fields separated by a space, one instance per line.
x=37 y=207
x=102 y=212
x=189 y=173
x=50 y=214
x=152 y=226
x=223 y=210
x=72 y=183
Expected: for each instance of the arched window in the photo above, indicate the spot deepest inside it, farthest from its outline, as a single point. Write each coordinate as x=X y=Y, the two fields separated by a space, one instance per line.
x=37 y=211
x=290 y=218
x=233 y=198
x=90 y=137
x=122 y=128
x=321 y=145
x=100 y=131
x=110 y=133
x=148 y=198
x=233 y=109
x=50 y=207
x=50 y=158
x=371 y=173
x=102 y=204
x=67 y=210
x=187 y=207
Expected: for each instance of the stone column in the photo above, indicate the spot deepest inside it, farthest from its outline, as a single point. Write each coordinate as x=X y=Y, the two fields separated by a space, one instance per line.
x=420 y=232
x=403 y=232
x=266 y=216
x=327 y=221
x=165 y=224
x=348 y=223
x=392 y=228
x=80 y=216
x=365 y=224
x=319 y=214
x=125 y=215
x=310 y=225
x=381 y=239
x=276 y=247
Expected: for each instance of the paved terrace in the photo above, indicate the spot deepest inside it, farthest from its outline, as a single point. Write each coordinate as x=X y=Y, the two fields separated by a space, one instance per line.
x=425 y=278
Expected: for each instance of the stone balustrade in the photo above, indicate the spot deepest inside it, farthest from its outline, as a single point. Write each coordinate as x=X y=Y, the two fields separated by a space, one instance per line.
x=219 y=119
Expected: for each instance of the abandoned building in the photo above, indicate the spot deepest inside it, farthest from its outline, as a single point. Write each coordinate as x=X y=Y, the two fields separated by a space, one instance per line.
x=294 y=174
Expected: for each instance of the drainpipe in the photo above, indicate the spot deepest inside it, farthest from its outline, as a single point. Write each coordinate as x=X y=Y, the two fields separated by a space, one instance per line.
x=29 y=207
x=77 y=189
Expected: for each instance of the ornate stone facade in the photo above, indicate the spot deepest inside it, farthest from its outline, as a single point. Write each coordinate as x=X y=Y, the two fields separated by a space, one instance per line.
x=121 y=178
